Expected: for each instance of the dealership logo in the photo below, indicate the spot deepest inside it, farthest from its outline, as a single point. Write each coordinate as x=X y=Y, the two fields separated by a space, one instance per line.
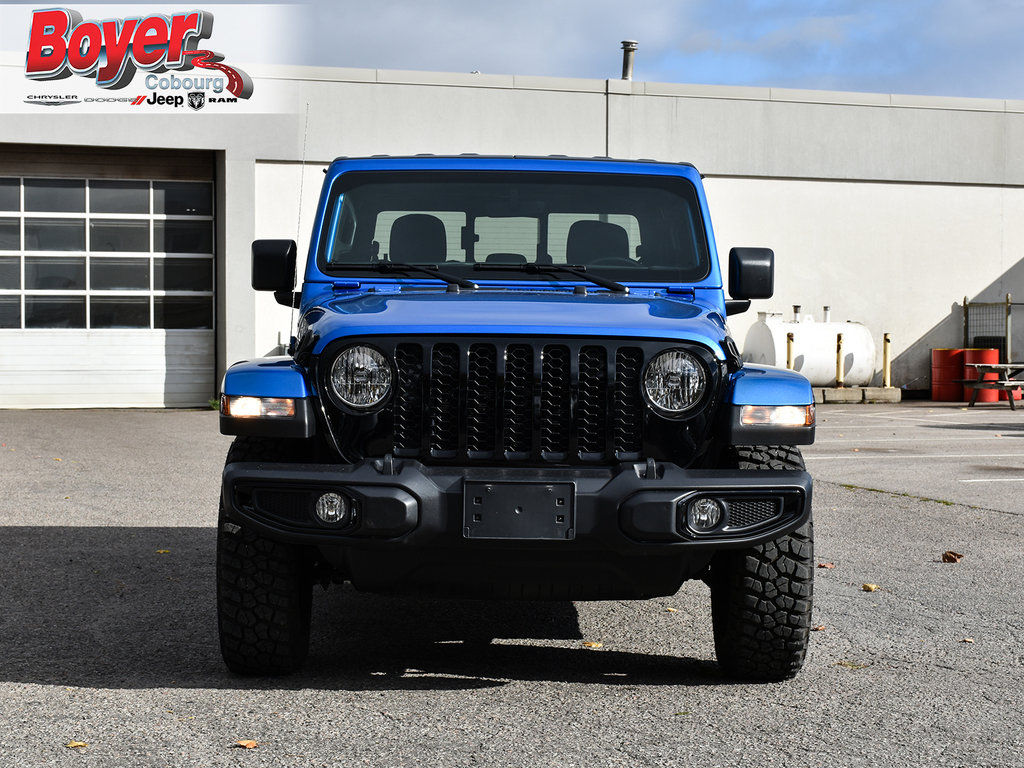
x=56 y=100
x=195 y=100
x=49 y=100
x=112 y=51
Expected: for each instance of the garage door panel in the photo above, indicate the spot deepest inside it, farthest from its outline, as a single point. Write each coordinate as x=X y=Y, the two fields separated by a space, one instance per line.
x=81 y=369
x=109 y=317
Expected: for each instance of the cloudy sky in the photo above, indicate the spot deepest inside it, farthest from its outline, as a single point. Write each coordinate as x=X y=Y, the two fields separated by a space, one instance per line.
x=940 y=47
x=944 y=47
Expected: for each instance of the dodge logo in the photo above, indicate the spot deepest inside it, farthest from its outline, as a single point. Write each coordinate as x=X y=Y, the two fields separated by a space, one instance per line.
x=196 y=99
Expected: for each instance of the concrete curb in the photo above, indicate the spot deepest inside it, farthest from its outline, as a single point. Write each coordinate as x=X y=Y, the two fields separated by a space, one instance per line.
x=856 y=395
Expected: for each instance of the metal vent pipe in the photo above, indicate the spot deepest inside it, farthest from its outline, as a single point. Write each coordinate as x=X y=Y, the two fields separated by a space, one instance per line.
x=628 y=50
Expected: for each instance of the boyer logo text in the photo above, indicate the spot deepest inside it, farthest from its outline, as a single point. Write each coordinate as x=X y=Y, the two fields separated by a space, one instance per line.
x=61 y=44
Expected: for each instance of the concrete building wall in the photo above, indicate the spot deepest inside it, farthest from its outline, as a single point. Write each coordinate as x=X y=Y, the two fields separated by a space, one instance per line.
x=888 y=208
x=897 y=257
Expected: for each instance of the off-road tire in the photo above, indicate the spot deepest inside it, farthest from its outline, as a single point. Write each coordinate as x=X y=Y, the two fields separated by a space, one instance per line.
x=264 y=589
x=761 y=596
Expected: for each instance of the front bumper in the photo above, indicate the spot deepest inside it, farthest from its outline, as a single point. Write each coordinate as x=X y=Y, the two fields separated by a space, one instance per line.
x=605 y=532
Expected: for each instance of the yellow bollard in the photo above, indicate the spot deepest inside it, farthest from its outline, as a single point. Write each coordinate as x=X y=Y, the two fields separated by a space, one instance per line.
x=840 y=373
x=789 y=351
x=886 y=361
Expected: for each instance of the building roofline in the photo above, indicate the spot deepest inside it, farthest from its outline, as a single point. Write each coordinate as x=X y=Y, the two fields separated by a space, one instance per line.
x=633 y=87
x=301 y=73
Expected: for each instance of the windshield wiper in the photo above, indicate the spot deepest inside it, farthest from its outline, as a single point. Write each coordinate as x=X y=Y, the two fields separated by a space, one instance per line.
x=555 y=269
x=386 y=267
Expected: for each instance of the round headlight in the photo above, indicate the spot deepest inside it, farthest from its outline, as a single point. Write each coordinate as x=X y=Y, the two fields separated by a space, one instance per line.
x=361 y=377
x=674 y=381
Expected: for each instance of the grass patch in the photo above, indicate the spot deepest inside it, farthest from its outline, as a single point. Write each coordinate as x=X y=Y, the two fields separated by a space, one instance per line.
x=851 y=487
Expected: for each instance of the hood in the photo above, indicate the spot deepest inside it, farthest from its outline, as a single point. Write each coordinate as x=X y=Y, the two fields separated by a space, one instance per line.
x=514 y=313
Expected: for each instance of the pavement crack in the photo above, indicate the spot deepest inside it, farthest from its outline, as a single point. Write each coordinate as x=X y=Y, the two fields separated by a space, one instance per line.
x=915 y=497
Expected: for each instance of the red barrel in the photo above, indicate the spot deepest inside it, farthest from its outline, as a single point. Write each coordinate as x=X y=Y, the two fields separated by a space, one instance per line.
x=972 y=356
x=947 y=371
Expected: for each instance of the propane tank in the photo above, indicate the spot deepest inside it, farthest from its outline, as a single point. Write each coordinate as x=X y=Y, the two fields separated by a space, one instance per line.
x=813 y=347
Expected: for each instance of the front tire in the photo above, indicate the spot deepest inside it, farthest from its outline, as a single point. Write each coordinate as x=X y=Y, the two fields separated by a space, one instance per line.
x=761 y=596
x=264 y=590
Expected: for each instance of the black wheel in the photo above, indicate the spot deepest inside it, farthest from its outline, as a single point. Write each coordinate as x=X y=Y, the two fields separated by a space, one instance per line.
x=761 y=596
x=264 y=589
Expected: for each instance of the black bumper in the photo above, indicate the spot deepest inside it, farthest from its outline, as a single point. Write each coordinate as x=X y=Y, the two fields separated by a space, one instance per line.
x=581 y=533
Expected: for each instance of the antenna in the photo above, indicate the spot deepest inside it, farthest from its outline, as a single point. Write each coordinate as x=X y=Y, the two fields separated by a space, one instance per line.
x=298 y=222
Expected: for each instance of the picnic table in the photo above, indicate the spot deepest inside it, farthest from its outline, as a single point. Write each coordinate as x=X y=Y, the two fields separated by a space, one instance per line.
x=1006 y=377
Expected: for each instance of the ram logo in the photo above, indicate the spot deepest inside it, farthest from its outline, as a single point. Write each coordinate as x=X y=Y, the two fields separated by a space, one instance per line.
x=197 y=99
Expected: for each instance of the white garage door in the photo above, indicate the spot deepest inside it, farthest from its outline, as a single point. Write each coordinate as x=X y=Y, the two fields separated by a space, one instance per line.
x=106 y=279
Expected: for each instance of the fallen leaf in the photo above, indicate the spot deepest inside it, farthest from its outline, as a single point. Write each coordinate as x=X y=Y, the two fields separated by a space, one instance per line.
x=592 y=644
x=56 y=459
x=245 y=744
x=870 y=587
x=672 y=610
x=163 y=551
x=967 y=640
x=852 y=664
x=819 y=628
x=827 y=565
x=76 y=745
x=951 y=557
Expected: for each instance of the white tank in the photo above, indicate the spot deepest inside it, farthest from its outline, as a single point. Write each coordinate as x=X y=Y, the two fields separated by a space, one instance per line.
x=814 y=348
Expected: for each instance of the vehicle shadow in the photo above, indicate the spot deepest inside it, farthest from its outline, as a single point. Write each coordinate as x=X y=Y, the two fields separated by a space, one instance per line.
x=1011 y=428
x=120 y=607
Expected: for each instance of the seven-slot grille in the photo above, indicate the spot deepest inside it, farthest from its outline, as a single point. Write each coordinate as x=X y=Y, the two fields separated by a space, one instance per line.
x=518 y=401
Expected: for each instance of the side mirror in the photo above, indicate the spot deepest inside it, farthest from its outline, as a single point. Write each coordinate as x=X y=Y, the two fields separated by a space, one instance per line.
x=751 y=273
x=273 y=268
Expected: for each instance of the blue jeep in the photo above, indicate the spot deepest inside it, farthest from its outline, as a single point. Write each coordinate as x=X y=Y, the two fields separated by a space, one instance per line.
x=512 y=378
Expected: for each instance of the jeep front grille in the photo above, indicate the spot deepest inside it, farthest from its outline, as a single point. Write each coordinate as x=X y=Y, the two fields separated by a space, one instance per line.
x=552 y=402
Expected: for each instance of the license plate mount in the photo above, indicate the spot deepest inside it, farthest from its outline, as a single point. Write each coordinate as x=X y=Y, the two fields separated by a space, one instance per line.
x=519 y=511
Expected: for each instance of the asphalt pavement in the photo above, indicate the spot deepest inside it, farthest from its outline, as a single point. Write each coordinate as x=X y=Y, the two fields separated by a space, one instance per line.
x=108 y=637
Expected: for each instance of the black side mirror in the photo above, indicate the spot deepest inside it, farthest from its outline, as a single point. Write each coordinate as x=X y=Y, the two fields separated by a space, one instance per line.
x=751 y=273
x=273 y=268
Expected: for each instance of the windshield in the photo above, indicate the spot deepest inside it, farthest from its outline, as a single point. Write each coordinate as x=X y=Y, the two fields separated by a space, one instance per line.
x=628 y=228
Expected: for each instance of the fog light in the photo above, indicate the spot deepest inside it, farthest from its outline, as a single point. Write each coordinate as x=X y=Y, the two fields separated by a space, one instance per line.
x=704 y=514
x=333 y=509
